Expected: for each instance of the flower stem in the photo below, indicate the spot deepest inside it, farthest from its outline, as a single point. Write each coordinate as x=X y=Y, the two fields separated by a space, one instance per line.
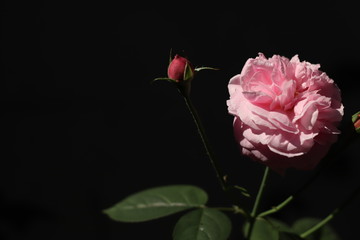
x=318 y=225
x=291 y=197
x=277 y=208
x=205 y=142
x=332 y=214
x=260 y=192
x=312 y=179
x=257 y=202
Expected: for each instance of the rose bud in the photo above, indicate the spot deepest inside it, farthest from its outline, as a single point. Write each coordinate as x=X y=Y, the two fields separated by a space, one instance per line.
x=180 y=69
x=286 y=112
x=356 y=121
x=181 y=72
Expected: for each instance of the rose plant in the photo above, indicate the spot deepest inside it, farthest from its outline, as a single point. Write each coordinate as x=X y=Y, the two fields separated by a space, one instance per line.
x=286 y=115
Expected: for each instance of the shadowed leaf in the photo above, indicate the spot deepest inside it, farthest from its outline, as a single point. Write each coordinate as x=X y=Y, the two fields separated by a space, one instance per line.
x=203 y=224
x=324 y=233
x=157 y=202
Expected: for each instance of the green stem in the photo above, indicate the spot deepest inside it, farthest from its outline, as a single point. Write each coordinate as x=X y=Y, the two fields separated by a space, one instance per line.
x=205 y=142
x=234 y=210
x=260 y=192
x=291 y=197
x=318 y=225
x=277 y=208
x=344 y=141
x=259 y=195
x=332 y=214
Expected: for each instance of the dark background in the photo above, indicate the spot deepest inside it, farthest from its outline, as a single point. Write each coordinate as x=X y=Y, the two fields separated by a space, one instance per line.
x=82 y=127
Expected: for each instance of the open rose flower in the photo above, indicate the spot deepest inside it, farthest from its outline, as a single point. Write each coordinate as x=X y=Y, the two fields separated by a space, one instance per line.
x=286 y=112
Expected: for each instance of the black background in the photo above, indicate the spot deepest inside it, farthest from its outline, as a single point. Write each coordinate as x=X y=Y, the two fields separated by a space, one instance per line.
x=82 y=127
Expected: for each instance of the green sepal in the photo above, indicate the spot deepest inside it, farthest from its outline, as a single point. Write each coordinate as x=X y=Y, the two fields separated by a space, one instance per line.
x=205 y=68
x=355 y=117
x=188 y=73
x=238 y=210
x=170 y=56
x=243 y=191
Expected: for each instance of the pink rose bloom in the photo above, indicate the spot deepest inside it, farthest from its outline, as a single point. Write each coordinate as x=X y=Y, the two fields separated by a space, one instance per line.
x=286 y=112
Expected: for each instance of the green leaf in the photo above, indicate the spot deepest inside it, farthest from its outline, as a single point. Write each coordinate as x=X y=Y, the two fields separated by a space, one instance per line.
x=324 y=233
x=262 y=230
x=157 y=202
x=267 y=229
x=279 y=225
x=164 y=79
x=203 y=224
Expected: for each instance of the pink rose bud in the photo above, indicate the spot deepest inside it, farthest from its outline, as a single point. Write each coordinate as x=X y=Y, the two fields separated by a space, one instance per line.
x=286 y=112
x=180 y=69
x=356 y=121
